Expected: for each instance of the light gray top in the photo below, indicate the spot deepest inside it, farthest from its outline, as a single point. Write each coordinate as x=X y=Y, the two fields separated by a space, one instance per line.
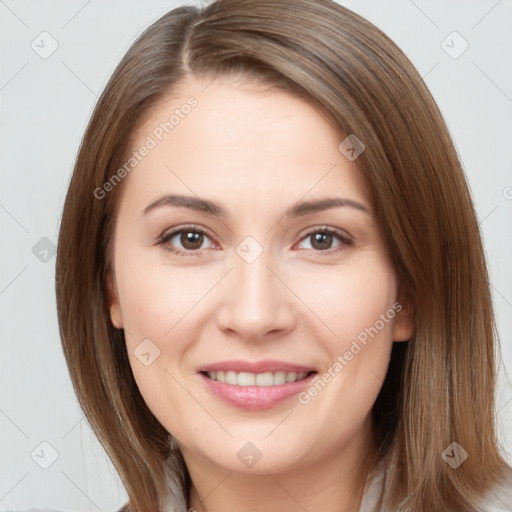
x=498 y=499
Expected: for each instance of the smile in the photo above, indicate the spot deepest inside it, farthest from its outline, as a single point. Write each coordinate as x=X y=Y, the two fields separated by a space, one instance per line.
x=255 y=385
x=256 y=379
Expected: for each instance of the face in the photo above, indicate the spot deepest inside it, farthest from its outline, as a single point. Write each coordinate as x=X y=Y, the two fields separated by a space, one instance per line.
x=258 y=300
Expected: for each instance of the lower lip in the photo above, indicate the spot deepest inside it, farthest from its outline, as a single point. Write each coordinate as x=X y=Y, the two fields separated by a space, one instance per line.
x=255 y=397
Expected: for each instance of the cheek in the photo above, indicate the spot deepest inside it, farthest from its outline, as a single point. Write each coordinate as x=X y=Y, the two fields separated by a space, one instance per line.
x=351 y=300
x=153 y=295
x=157 y=304
x=358 y=304
x=161 y=303
x=360 y=357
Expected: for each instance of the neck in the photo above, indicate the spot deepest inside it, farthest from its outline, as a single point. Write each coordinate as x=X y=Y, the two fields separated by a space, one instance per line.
x=334 y=483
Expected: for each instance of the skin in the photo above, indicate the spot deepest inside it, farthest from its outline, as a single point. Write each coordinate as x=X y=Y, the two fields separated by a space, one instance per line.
x=256 y=151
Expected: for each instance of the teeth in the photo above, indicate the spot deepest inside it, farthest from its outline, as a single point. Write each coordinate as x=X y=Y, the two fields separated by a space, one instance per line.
x=291 y=377
x=265 y=379
x=231 y=378
x=279 y=378
x=246 y=379
x=257 y=379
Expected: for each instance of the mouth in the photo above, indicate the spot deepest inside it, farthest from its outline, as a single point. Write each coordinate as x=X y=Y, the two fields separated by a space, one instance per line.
x=264 y=379
x=255 y=385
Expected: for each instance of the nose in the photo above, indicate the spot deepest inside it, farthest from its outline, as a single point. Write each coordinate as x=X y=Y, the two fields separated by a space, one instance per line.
x=257 y=304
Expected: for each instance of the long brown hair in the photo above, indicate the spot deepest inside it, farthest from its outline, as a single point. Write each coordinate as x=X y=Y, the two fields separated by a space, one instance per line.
x=440 y=385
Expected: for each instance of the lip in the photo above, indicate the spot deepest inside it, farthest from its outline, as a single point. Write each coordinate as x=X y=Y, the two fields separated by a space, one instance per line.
x=255 y=397
x=266 y=365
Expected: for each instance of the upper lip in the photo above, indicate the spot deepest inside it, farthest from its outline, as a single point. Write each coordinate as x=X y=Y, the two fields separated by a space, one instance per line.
x=267 y=365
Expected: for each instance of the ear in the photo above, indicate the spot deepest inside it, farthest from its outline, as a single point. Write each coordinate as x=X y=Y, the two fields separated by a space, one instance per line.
x=404 y=329
x=113 y=302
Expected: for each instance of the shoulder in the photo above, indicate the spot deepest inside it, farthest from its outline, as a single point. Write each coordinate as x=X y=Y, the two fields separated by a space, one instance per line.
x=374 y=491
x=168 y=508
x=499 y=498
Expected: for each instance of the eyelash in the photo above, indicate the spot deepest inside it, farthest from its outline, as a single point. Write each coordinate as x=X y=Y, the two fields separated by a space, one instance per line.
x=344 y=239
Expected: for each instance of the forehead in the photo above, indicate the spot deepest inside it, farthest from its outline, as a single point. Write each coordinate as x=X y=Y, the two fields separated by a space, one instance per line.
x=240 y=141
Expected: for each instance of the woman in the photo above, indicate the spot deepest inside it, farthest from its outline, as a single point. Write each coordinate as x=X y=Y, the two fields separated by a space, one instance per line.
x=271 y=286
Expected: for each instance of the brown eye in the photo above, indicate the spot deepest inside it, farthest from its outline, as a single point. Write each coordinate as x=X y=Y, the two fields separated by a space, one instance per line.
x=326 y=240
x=191 y=240
x=321 y=241
x=185 y=241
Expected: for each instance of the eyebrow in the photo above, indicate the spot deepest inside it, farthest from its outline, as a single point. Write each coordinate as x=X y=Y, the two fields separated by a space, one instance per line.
x=297 y=210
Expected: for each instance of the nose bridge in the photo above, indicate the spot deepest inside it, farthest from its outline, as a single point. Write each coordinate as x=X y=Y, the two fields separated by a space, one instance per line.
x=256 y=282
x=256 y=302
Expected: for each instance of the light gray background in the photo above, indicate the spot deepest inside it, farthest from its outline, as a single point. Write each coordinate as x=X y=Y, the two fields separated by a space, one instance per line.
x=45 y=105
